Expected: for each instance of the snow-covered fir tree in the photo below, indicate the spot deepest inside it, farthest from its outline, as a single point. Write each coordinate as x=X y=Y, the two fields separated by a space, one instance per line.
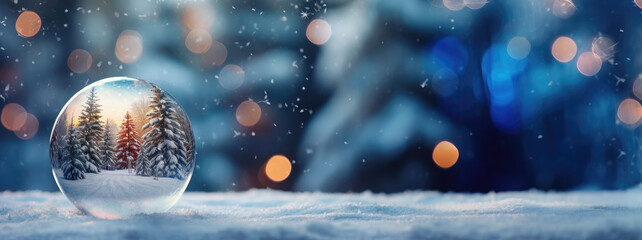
x=143 y=165
x=164 y=143
x=73 y=160
x=190 y=147
x=90 y=131
x=107 y=156
x=54 y=150
x=57 y=144
x=128 y=144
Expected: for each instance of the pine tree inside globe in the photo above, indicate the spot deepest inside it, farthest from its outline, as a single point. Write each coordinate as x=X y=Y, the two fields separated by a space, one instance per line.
x=120 y=147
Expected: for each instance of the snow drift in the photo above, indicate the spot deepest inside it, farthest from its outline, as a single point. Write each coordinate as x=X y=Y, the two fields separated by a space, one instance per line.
x=267 y=214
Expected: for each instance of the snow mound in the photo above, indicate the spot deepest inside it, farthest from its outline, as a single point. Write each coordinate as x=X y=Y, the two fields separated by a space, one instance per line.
x=268 y=214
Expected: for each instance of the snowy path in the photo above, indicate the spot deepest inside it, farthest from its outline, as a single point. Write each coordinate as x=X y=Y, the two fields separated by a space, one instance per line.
x=265 y=214
x=119 y=184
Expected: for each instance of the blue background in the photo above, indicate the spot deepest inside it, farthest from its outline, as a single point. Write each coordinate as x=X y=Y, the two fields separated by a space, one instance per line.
x=351 y=114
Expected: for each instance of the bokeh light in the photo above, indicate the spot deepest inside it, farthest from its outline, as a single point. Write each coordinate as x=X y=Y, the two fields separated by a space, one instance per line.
x=198 y=41
x=13 y=116
x=28 y=24
x=29 y=128
x=475 y=4
x=129 y=46
x=445 y=154
x=588 y=64
x=79 y=61
x=637 y=87
x=198 y=16
x=639 y=3
x=445 y=82
x=448 y=52
x=318 y=31
x=518 y=48
x=278 y=168
x=564 y=49
x=454 y=5
x=603 y=47
x=563 y=8
x=248 y=113
x=501 y=73
x=216 y=56
x=231 y=77
x=629 y=111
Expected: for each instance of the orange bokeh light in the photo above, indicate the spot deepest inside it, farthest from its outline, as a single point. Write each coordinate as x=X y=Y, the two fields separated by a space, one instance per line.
x=216 y=56
x=278 y=168
x=639 y=3
x=28 y=24
x=588 y=64
x=79 y=61
x=13 y=116
x=248 y=113
x=129 y=46
x=318 y=31
x=445 y=154
x=29 y=129
x=629 y=111
x=564 y=49
x=198 y=16
x=198 y=41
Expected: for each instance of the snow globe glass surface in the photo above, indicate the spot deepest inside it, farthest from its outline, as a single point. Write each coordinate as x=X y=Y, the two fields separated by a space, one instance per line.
x=122 y=146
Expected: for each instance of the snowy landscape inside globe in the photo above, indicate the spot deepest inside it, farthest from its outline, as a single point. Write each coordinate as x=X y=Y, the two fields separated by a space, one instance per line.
x=120 y=147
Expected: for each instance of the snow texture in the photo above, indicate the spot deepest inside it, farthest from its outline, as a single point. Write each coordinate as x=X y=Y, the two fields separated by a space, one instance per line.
x=268 y=214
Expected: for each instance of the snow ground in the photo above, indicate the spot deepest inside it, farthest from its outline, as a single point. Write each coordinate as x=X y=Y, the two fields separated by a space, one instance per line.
x=113 y=194
x=268 y=214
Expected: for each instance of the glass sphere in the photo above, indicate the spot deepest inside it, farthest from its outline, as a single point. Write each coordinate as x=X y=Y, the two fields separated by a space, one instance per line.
x=122 y=146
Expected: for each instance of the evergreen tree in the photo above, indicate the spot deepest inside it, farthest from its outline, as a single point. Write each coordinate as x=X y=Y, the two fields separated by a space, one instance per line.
x=108 y=159
x=190 y=148
x=54 y=150
x=188 y=136
x=90 y=131
x=58 y=140
x=128 y=144
x=164 y=142
x=73 y=161
x=143 y=165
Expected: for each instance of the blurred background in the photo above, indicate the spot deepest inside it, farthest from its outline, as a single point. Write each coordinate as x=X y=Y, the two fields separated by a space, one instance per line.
x=354 y=95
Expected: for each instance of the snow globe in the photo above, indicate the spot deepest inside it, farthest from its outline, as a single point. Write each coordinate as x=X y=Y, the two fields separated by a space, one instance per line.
x=122 y=146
